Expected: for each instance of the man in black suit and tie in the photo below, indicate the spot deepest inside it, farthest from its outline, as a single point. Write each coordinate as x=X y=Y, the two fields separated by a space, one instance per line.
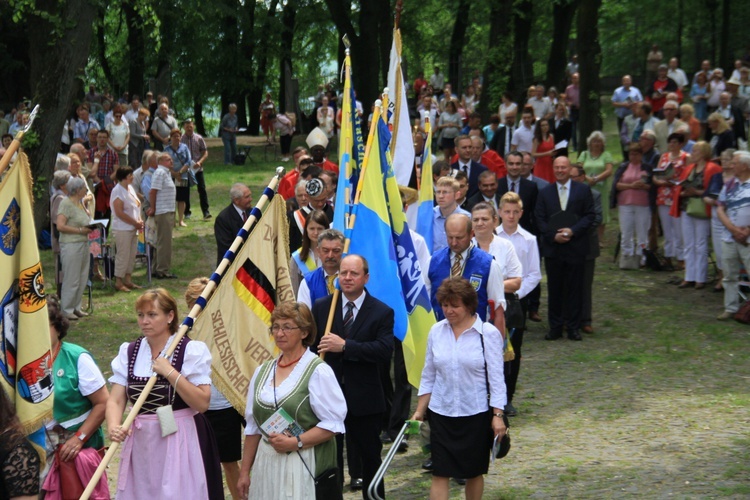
x=466 y=164
x=526 y=189
x=564 y=214
x=487 y=191
x=504 y=134
x=360 y=340
x=232 y=218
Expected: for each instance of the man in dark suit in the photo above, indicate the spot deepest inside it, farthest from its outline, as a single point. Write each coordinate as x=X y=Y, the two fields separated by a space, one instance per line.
x=232 y=218
x=564 y=215
x=361 y=339
x=536 y=294
x=504 y=134
x=487 y=191
x=466 y=164
x=526 y=189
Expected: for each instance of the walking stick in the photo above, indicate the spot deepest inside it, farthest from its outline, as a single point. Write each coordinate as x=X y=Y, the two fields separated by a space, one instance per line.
x=187 y=323
x=5 y=161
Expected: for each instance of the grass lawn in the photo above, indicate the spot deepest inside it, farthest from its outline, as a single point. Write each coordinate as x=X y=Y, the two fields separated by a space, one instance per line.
x=654 y=404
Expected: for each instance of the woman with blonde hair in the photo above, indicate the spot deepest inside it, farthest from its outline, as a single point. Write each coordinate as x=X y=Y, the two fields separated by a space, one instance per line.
x=599 y=167
x=687 y=115
x=722 y=136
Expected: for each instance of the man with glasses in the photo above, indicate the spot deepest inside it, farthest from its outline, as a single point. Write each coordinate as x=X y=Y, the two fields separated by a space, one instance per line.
x=670 y=123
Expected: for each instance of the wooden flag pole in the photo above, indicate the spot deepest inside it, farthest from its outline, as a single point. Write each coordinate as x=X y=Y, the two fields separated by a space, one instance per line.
x=5 y=161
x=187 y=323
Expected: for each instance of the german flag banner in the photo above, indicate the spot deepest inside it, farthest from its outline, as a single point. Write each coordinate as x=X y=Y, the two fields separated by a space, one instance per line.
x=25 y=362
x=235 y=323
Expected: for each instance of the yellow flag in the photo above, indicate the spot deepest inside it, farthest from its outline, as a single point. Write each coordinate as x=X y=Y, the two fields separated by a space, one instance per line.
x=235 y=323
x=25 y=362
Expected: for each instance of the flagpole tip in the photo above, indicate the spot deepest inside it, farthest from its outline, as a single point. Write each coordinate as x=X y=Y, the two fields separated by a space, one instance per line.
x=386 y=90
x=379 y=103
x=280 y=171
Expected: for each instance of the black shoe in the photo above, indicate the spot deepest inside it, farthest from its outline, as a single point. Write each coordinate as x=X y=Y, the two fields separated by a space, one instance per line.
x=574 y=335
x=460 y=480
x=403 y=447
x=206 y=216
x=427 y=465
x=385 y=438
x=356 y=484
x=510 y=410
x=165 y=276
x=188 y=216
x=552 y=335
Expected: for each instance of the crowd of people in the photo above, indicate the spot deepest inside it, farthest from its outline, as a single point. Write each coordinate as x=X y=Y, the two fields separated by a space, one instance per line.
x=520 y=191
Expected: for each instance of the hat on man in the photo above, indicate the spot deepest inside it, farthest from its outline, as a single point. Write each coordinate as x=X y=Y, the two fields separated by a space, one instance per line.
x=317 y=138
x=734 y=81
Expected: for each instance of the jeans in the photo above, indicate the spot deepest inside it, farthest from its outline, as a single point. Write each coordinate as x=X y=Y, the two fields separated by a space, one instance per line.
x=230 y=148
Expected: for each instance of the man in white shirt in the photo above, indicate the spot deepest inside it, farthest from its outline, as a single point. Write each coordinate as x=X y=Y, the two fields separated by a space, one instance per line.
x=132 y=112
x=527 y=251
x=437 y=80
x=677 y=74
x=162 y=200
x=541 y=104
x=523 y=137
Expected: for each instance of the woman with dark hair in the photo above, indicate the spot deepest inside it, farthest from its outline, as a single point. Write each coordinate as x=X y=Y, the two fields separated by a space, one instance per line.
x=80 y=400
x=304 y=386
x=668 y=171
x=119 y=134
x=267 y=110
x=543 y=150
x=463 y=422
x=126 y=222
x=19 y=462
x=305 y=259
x=449 y=126
x=169 y=452
x=687 y=204
x=507 y=106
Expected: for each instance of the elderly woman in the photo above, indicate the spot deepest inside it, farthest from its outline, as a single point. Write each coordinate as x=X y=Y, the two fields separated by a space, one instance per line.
x=710 y=198
x=80 y=400
x=632 y=182
x=687 y=204
x=119 y=134
x=687 y=115
x=168 y=454
x=19 y=474
x=73 y=221
x=126 y=222
x=463 y=422
x=666 y=175
x=449 y=126
x=599 y=167
x=306 y=259
x=722 y=136
x=229 y=134
x=182 y=173
x=299 y=382
x=59 y=192
x=139 y=138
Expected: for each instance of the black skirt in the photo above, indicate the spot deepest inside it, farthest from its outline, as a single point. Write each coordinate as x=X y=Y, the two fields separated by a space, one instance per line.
x=227 y=426
x=461 y=445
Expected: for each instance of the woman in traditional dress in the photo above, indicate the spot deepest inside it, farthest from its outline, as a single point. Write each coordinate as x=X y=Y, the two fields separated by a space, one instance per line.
x=169 y=452
x=304 y=386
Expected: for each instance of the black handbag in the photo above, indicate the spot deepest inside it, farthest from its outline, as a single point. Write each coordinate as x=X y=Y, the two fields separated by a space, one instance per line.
x=504 y=445
x=328 y=485
x=514 y=316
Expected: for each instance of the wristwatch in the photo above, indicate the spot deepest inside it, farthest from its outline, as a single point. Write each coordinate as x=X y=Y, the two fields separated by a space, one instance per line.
x=80 y=435
x=299 y=443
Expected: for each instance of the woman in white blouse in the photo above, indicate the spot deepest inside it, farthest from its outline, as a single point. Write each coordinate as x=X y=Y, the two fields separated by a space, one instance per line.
x=126 y=222
x=300 y=383
x=463 y=366
x=484 y=222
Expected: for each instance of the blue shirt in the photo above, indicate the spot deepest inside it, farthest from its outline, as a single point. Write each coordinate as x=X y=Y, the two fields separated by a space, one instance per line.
x=622 y=95
x=146 y=182
x=439 y=240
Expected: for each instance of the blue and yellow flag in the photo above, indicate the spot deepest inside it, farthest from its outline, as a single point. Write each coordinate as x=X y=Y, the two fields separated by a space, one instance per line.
x=351 y=151
x=416 y=299
x=25 y=361
x=426 y=202
x=371 y=237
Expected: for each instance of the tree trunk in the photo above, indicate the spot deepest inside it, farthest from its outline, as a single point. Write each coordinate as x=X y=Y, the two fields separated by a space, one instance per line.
x=101 y=46
x=498 y=59
x=198 y=116
x=136 y=49
x=458 y=41
x=563 y=13
x=725 y=53
x=255 y=91
x=230 y=92
x=522 y=70
x=57 y=56
x=288 y=19
x=589 y=58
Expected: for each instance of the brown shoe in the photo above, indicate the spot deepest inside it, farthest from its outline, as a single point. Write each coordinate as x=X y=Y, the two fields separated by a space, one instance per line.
x=686 y=284
x=534 y=316
x=587 y=329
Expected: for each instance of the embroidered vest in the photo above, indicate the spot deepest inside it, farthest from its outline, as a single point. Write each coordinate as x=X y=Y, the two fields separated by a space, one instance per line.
x=163 y=393
x=476 y=270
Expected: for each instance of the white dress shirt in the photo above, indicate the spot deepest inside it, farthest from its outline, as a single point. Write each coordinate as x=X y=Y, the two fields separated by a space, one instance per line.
x=505 y=255
x=454 y=374
x=528 y=253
